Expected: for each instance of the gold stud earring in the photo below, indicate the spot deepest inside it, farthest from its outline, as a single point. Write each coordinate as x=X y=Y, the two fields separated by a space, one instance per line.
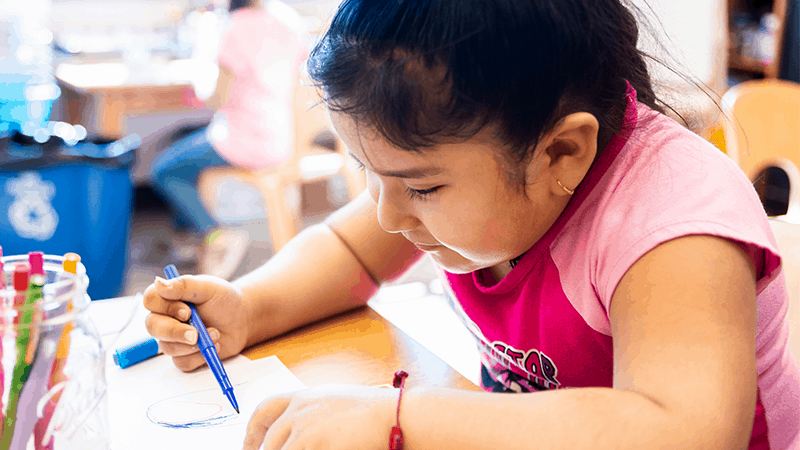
x=568 y=190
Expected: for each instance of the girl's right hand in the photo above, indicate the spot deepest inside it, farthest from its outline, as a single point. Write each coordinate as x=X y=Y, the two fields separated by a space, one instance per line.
x=219 y=304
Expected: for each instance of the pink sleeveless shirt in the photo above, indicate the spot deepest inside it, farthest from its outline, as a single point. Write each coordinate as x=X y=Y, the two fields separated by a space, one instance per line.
x=546 y=325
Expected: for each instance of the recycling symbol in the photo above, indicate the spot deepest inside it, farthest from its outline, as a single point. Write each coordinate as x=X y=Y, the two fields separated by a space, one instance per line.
x=31 y=214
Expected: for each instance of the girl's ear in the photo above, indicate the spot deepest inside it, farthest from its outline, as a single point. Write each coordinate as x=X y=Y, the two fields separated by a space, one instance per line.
x=570 y=149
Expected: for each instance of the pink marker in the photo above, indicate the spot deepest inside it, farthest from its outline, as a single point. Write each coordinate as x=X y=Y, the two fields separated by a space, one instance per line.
x=2 y=318
x=36 y=259
x=2 y=273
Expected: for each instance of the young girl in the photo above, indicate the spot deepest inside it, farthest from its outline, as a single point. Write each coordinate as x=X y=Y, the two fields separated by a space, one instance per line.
x=588 y=241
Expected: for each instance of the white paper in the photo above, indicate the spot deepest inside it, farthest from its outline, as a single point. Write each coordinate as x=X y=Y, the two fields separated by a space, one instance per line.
x=432 y=322
x=153 y=405
x=158 y=407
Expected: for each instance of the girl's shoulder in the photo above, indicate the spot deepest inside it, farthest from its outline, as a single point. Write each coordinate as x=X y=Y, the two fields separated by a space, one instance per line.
x=664 y=183
x=664 y=160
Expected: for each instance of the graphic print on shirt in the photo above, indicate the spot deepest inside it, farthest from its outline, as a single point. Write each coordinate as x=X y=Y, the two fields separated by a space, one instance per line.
x=504 y=362
x=508 y=369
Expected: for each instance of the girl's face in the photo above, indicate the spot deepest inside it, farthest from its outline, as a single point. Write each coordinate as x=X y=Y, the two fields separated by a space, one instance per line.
x=454 y=201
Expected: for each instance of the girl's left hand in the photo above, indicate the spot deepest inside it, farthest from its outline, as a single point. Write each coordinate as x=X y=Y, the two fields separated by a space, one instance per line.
x=325 y=417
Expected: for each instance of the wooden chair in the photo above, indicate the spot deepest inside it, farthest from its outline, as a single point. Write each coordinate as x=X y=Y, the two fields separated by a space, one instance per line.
x=310 y=163
x=763 y=130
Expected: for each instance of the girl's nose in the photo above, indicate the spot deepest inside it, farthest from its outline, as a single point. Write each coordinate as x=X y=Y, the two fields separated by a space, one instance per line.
x=393 y=213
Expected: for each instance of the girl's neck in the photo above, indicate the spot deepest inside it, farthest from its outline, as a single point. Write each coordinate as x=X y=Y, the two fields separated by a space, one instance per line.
x=500 y=271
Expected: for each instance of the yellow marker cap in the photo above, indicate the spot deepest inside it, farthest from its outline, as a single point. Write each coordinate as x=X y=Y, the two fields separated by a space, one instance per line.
x=71 y=261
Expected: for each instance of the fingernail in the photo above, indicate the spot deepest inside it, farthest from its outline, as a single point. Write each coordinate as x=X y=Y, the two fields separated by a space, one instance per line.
x=183 y=315
x=164 y=282
x=191 y=336
x=214 y=334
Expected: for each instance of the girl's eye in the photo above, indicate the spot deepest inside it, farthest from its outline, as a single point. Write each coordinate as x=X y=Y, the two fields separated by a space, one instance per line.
x=359 y=164
x=421 y=194
x=414 y=194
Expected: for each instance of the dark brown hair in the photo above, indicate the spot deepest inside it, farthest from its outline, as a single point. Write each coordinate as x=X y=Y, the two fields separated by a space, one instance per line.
x=419 y=70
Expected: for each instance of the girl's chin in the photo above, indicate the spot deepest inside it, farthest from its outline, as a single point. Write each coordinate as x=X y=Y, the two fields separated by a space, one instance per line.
x=452 y=262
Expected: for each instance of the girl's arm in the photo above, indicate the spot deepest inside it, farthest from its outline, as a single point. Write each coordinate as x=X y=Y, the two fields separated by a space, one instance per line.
x=326 y=269
x=684 y=324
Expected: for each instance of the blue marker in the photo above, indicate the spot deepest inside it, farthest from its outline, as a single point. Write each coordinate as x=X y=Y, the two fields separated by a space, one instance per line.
x=207 y=347
x=135 y=353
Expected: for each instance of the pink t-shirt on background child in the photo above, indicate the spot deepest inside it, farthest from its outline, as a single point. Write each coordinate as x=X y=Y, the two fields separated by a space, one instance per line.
x=265 y=55
x=546 y=325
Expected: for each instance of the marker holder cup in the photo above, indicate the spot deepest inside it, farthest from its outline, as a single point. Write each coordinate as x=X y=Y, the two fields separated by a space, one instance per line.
x=72 y=412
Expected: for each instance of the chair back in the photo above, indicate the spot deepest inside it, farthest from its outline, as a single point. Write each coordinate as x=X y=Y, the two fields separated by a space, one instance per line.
x=793 y=173
x=762 y=129
x=762 y=123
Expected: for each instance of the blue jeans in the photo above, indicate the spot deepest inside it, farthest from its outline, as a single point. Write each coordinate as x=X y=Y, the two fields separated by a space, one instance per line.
x=175 y=174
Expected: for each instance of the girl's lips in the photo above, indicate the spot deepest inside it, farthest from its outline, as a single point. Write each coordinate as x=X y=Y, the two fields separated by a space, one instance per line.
x=421 y=246
x=426 y=247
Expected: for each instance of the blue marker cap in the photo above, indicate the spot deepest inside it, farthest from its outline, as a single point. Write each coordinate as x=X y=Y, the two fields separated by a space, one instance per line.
x=171 y=271
x=135 y=353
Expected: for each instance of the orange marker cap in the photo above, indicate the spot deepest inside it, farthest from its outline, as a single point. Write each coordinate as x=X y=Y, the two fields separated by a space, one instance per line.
x=71 y=261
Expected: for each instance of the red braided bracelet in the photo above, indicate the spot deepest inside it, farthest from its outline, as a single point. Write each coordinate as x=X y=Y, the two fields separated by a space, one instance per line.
x=396 y=438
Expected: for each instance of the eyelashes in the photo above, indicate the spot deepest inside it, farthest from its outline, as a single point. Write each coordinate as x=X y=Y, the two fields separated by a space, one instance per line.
x=421 y=194
x=413 y=194
x=359 y=164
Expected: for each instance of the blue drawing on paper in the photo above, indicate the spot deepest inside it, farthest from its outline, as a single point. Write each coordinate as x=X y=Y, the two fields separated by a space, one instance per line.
x=202 y=409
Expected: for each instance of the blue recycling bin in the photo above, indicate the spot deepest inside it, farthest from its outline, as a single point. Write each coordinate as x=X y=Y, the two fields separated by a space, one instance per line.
x=59 y=199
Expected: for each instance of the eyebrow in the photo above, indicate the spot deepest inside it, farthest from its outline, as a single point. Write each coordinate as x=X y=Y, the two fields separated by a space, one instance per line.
x=408 y=173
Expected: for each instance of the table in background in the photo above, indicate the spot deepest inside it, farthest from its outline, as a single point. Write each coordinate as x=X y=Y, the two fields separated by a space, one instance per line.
x=101 y=95
x=113 y=98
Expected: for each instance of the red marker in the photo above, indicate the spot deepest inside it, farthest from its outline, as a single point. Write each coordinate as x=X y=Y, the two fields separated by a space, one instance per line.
x=22 y=272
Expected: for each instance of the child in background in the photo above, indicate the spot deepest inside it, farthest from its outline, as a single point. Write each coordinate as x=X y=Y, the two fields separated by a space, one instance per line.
x=617 y=271
x=259 y=62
